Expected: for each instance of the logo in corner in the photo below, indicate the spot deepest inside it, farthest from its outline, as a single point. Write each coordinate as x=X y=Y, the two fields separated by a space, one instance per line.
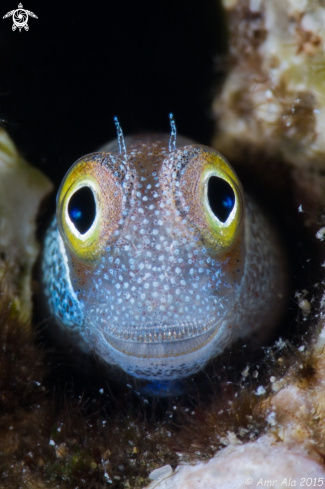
x=20 y=18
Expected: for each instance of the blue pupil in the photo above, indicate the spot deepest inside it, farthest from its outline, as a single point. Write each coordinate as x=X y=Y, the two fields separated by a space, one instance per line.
x=82 y=209
x=75 y=214
x=228 y=203
x=221 y=198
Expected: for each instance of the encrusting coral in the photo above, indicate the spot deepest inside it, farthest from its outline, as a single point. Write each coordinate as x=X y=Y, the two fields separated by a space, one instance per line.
x=291 y=449
x=259 y=463
x=274 y=94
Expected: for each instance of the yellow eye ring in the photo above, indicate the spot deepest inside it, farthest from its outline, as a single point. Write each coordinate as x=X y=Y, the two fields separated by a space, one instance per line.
x=107 y=193
x=83 y=245
x=222 y=232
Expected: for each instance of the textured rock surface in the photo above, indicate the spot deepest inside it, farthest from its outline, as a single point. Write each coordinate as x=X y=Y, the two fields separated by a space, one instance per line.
x=22 y=189
x=274 y=94
x=293 y=445
x=246 y=465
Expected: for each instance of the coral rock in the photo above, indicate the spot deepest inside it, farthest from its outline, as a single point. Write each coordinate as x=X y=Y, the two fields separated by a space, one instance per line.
x=22 y=189
x=253 y=464
x=273 y=96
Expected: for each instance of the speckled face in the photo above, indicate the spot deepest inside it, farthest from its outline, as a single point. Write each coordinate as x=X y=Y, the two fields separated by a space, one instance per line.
x=151 y=260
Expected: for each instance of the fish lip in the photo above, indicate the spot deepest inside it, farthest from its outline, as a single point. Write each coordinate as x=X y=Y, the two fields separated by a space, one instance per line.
x=161 y=349
x=164 y=360
x=157 y=333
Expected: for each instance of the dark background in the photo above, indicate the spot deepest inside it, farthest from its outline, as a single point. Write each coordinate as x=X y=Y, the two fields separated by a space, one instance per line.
x=80 y=64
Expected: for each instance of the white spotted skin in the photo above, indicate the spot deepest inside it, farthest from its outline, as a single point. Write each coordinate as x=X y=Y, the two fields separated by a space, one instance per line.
x=158 y=302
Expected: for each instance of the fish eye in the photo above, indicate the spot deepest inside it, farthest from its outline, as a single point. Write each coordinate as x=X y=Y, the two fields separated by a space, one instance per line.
x=90 y=205
x=221 y=197
x=207 y=194
x=82 y=209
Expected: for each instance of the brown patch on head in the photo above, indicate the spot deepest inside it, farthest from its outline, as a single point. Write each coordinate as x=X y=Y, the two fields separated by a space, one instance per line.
x=185 y=179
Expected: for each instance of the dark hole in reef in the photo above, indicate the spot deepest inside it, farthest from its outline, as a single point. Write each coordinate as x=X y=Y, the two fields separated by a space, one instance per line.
x=82 y=209
x=221 y=198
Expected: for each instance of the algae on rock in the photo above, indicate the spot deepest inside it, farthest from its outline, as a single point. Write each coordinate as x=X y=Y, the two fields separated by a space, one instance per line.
x=22 y=188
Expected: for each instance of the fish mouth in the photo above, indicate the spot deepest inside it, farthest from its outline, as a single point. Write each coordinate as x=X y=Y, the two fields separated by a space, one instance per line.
x=158 y=332
x=161 y=351
x=162 y=341
x=161 y=360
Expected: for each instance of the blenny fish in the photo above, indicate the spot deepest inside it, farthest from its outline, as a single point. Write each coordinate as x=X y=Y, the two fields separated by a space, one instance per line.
x=156 y=259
